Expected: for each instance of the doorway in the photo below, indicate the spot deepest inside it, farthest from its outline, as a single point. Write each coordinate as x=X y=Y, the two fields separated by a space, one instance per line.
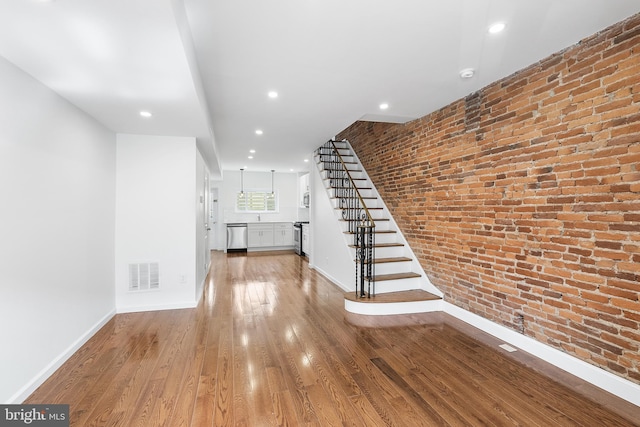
x=213 y=218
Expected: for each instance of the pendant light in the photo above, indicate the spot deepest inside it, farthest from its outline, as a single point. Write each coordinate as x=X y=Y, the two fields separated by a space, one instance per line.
x=272 y=174
x=241 y=182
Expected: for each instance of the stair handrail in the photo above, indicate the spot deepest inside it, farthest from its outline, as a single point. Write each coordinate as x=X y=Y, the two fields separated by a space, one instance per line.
x=364 y=230
x=370 y=220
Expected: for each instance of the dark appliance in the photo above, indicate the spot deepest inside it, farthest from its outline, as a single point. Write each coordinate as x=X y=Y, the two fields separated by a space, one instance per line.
x=297 y=236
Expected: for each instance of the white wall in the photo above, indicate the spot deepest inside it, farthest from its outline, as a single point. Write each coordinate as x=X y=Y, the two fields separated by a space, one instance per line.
x=57 y=183
x=330 y=253
x=156 y=219
x=202 y=206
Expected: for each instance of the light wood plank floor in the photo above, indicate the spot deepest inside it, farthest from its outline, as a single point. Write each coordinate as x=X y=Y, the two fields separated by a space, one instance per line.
x=270 y=344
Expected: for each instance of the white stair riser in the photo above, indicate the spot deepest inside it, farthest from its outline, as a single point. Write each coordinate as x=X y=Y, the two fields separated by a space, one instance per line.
x=363 y=188
x=380 y=226
x=364 y=192
x=387 y=252
x=355 y=174
x=376 y=215
x=348 y=158
x=349 y=162
x=386 y=238
x=379 y=238
x=397 y=285
x=372 y=204
x=392 y=267
x=392 y=308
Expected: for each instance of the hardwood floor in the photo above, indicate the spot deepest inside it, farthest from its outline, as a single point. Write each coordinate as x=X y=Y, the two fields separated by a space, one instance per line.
x=271 y=344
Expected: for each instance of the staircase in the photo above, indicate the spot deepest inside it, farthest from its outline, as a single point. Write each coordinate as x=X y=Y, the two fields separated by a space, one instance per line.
x=397 y=283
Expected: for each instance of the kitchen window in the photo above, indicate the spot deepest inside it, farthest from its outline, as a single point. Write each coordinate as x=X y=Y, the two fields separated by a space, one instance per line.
x=256 y=201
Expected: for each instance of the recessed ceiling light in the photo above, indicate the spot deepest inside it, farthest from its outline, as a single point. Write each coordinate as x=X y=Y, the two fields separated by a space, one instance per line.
x=290 y=170
x=467 y=73
x=273 y=94
x=145 y=114
x=497 y=27
x=250 y=157
x=306 y=160
x=384 y=106
x=252 y=151
x=259 y=132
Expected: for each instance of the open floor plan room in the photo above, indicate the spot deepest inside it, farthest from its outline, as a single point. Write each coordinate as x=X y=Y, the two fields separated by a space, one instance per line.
x=271 y=344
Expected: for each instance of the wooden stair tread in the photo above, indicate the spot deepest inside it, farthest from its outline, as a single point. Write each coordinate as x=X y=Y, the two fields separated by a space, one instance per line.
x=364 y=197
x=374 y=219
x=339 y=170
x=344 y=161
x=327 y=178
x=394 y=259
x=382 y=245
x=414 y=295
x=376 y=232
x=396 y=276
x=359 y=188
x=334 y=169
x=368 y=208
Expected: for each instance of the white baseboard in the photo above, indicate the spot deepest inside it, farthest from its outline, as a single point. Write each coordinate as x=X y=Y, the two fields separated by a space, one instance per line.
x=45 y=373
x=331 y=278
x=173 y=306
x=614 y=384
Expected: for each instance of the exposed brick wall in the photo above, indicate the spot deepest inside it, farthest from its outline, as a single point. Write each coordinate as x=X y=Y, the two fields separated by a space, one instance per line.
x=522 y=201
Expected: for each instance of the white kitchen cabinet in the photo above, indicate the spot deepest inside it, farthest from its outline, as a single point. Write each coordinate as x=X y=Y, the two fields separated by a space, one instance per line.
x=283 y=234
x=259 y=235
x=269 y=235
x=306 y=248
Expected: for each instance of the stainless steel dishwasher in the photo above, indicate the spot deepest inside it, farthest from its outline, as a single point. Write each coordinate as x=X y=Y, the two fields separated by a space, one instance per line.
x=237 y=237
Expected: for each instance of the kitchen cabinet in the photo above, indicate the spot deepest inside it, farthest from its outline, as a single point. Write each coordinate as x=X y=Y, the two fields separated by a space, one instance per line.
x=283 y=234
x=306 y=248
x=260 y=235
x=269 y=235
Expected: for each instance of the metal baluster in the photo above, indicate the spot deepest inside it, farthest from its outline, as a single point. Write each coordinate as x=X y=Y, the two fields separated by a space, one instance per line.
x=359 y=221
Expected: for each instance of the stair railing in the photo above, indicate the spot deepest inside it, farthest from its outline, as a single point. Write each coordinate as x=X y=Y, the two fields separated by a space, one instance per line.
x=354 y=211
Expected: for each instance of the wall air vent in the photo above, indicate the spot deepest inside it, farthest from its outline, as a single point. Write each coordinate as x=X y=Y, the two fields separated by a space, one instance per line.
x=144 y=276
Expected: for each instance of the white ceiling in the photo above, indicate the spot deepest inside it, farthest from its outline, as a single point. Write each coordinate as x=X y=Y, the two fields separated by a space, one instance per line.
x=204 y=67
